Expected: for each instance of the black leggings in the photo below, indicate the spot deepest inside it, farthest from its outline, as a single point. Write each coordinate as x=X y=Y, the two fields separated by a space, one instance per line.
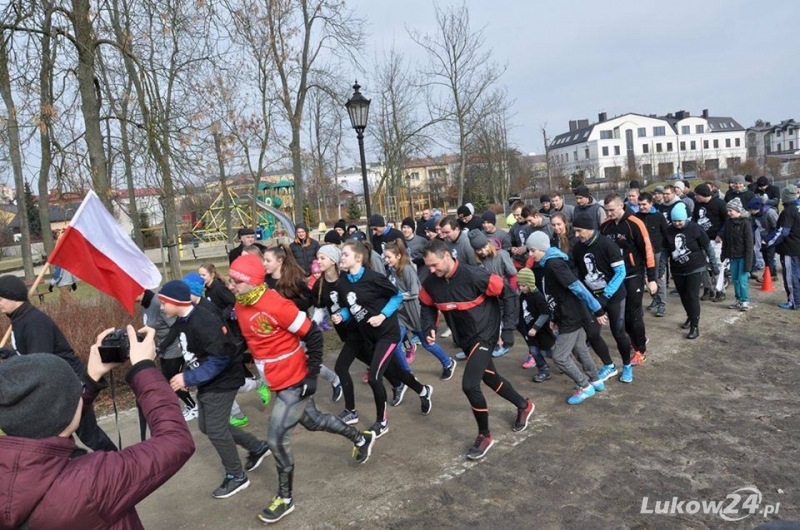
x=596 y=341
x=688 y=286
x=383 y=361
x=616 y=321
x=634 y=312
x=289 y=410
x=357 y=348
x=480 y=367
x=172 y=367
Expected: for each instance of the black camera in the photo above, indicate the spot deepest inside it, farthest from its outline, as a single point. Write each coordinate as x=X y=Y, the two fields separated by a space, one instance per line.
x=116 y=348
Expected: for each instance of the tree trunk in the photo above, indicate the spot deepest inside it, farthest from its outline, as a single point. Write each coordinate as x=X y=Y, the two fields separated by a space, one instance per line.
x=223 y=186
x=297 y=171
x=133 y=209
x=90 y=99
x=45 y=122
x=16 y=157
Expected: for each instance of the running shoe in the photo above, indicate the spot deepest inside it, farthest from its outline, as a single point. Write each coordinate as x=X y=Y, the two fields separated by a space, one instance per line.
x=350 y=417
x=231 y=486
x=446 y=333
x=461 y=356
x=653 y=304
x=581 y=395
x=480 y=447
x=638 y=358
x=425 y=402
x=448 y=371
x=529 y=363
x=499 y=351
x=190 y=413
x=411 y=353
x=379 y=428
x=254 y=459
x=627 y=374
x=416 y=340
x=661 y=311
x=786 y=305
x=263 y=391
x=607 y=371
x=397 y=394
x=745 y=306
x=338 y=392
x=244 y=421
x=598 y=385
x=542 y=376
x=735 y=305
x=277 y=510
x=523 y=415
x=361 y=452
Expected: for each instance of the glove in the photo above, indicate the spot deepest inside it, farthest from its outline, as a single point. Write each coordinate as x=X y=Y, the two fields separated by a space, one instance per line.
x=74 y=286
x=603 y=300
x=309 y=387
x=50 y=288
x=507 y=336
x=7 y=353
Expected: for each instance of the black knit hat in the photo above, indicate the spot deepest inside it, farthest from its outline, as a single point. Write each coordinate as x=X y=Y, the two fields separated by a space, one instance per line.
x=584 y=221
x=464 y=210
x=544 y=198
x=176 y=292
x=409 y=222
x=582 y=191
x=341 y=223
x=39 y=395
x=376 y=220
x=762 y=181
x=246 y=232
x=13 y=288
x=703 y=190
x=489 y=217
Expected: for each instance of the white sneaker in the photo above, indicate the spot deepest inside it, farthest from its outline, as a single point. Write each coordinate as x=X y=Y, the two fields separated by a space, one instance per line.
x=446 y=333
x=190 y=413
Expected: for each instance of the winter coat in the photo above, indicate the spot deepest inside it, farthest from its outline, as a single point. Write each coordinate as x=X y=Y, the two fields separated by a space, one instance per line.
x=41 y=484
x=737 y=240
x=304 y=251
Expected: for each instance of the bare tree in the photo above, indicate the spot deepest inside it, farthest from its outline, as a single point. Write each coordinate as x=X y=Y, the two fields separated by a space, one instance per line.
x=464 y=74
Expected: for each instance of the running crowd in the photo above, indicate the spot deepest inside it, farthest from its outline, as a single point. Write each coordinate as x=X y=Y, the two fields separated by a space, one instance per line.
x=557 y=276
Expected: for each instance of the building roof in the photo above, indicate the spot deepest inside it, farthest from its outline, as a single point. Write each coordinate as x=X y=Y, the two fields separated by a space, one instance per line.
x=58 y=214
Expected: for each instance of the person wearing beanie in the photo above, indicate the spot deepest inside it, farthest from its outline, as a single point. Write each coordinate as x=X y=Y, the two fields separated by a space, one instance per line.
x=32 y=331
x=498 y=237
x=765 y=223
x=690 y=251
x=196 y=285
x=633 y=238
x=353 y=232
x=772 y=192
x=739 y=189
x=48 y=484
x=457 y=240
x=601 y=265
x=218 y=375
x=534 y=325
x=247 y=237
x=336 y=235
x=291 y=369
x=710 y=214
x=382 y=234
x=786 y=242
x=471 y=299
x=431 y=229
x=575 y=309
x=467 y=220
x=737 y=246
x=586 y=203
x=656 y=226
x=414 y=243
x=547 y=205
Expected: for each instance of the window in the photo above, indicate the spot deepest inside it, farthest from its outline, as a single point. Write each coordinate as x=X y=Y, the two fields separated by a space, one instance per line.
x=778 y=134
x=738 y=142
x=616 y=150
x=666 y=169
x=613 y=173
x=698 y=129
x=705 y=144
x=414 y=176
x=791 y=145
x=780 y=148
x=647 y=170
x=791 y=132
x=575 y=156
x=683 y=146
x=659 y=149
x=692 y=145
x=669 y=147
x=716 y=144
x=641 y=132
x=686 y=129
x=727 y=142
x=712 y=163
x=586 y=152
x=733 y=162
x=659 y=131
x=606 y=135
x=605 y=151
x=645 y=148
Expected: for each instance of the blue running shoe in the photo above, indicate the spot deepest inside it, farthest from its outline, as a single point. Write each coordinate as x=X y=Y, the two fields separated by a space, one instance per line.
x=607 y=372
x=581 y=395
x=598 y=385
x=786 y=305
x=499 y=351
x=627 y=374
x=461 y=356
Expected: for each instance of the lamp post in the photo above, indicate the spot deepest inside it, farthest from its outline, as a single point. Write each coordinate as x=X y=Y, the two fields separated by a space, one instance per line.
x=358 y=109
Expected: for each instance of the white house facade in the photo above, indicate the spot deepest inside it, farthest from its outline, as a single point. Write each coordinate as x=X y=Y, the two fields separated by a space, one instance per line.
x=670 y=146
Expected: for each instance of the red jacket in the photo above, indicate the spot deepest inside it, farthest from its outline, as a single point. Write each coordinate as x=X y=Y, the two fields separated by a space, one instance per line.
x=39 y=482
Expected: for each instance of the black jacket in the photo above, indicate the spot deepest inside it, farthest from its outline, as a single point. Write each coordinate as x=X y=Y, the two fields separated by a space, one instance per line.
x=34 y=332
x=656 y=225
x=737 y=241
x=535 y=314
x=305 y=253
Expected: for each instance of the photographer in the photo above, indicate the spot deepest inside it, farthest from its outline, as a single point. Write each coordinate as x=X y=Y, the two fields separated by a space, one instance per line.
x=32 y=331
x=43 y=486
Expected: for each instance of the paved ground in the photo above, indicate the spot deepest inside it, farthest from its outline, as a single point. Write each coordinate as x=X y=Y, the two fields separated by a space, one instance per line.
x=702 y=419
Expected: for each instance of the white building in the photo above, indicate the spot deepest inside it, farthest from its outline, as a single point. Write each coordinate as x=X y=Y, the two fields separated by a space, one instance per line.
x=665 y=146
x=350 y=178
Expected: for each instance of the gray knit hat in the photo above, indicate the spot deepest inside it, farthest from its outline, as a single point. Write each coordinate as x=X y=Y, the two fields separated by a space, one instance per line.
x=789 y=194
x=331 y=251
x=477 y=239
x=538 y=241
x=39 y=394
x=735 y=204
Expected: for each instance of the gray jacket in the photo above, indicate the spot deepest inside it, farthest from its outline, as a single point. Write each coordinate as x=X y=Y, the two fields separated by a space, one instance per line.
x=154 y=318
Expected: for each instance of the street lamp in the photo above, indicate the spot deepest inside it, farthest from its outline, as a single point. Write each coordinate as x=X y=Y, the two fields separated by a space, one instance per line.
x=358 y=109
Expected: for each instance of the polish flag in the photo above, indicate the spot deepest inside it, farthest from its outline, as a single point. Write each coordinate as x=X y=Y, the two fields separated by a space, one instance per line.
x=95 y=248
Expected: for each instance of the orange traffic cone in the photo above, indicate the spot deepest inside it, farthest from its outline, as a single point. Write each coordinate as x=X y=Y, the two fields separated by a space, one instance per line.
x=766 y=281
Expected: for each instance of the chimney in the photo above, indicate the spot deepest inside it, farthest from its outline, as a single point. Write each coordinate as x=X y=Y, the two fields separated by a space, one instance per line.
x=681 y=114
x=669 y=115
x=602 y=117
x=705 y=113
x=583 y=123
x=769 y=124
x=573 y=125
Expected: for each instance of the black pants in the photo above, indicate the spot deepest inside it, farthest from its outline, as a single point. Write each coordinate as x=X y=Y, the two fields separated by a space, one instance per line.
x=91 y=434
x=172 y=367
x=383 y=361
x=596 y=341
x=688 y=286
x=616 y=320
x=480 y=367
x=357 y=348
x=634 y=312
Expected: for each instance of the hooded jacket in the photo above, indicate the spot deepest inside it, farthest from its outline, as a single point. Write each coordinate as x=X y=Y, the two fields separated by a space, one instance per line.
x=593 y=208
x=737 y=240
x=304 y=250
x=41 y=484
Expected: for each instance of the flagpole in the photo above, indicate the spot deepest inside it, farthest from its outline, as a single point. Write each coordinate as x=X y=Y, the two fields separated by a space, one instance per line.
x=32 y=290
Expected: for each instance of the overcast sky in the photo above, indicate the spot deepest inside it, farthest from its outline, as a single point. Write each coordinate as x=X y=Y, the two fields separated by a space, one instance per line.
x=573 y=59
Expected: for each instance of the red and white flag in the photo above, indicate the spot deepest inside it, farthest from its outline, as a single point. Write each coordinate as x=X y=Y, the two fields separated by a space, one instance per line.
x=96 y=249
